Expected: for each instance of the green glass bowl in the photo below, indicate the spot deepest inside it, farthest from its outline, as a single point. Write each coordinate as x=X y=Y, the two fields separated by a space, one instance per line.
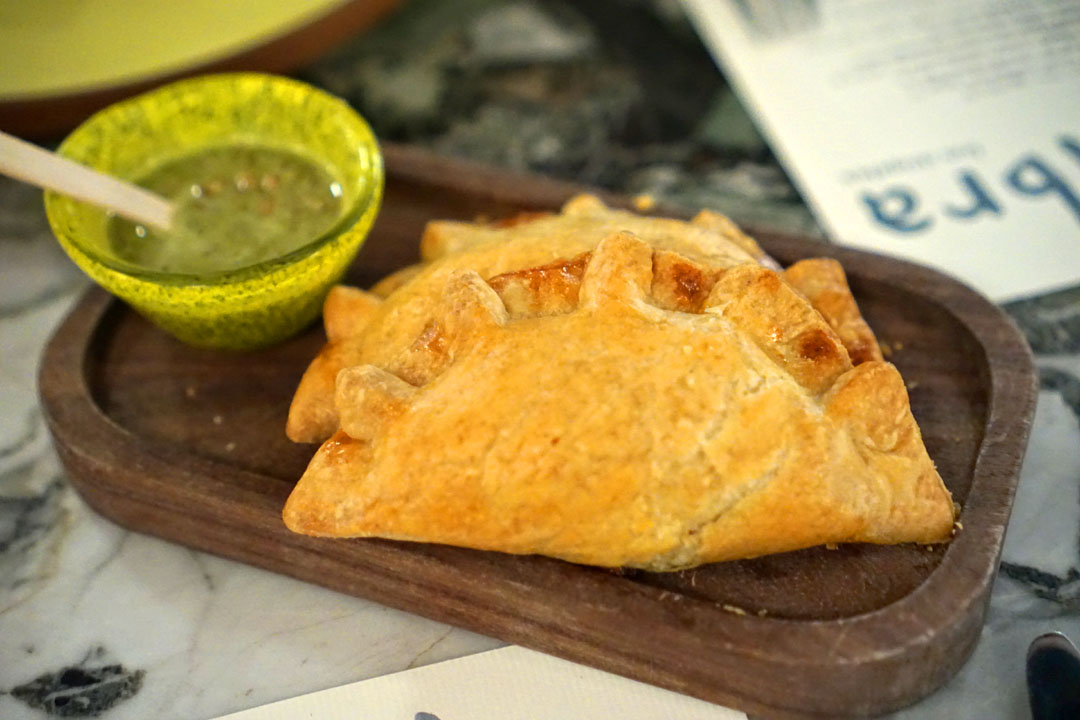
x=252 y=306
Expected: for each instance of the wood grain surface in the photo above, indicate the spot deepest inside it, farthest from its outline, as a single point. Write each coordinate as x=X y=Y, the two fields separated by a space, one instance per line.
x=189 y=445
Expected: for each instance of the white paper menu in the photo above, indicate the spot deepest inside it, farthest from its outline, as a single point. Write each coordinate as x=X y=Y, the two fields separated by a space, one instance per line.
x=510 y=683
x=943 y=131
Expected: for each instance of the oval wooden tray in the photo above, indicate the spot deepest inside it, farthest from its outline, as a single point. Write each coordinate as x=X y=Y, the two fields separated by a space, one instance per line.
x=189 y=445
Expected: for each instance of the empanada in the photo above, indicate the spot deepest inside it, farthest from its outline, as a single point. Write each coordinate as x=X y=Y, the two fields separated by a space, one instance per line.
x=622 y=407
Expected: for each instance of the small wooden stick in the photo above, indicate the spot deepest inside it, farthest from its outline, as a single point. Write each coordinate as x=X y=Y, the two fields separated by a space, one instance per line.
x=29 y=163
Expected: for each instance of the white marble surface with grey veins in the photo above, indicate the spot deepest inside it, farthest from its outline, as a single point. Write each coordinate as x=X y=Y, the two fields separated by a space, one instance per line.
x=96 y=620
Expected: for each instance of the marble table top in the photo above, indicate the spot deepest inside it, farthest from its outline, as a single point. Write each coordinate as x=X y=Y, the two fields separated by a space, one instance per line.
x=96 y=619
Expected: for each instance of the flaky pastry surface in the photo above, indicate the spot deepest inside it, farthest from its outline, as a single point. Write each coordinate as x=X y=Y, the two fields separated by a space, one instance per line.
x=622 y=405
x=412 y=295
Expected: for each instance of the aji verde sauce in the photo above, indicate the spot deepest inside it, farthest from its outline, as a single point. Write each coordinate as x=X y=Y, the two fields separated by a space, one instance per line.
x=235 y=206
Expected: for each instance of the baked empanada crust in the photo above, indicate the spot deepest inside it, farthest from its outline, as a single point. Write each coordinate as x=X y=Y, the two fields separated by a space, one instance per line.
x=622 y=433
x=490 y=251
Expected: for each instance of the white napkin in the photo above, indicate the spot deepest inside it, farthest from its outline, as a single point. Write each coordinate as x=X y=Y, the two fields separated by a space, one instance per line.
x=510 y=683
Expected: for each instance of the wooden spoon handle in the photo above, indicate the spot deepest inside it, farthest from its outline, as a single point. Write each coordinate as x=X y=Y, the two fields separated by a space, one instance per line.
x=29 y=163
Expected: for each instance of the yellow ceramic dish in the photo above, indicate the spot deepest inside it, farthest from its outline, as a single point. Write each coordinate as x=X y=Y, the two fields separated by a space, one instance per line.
x=252 y=306
x=59 y=48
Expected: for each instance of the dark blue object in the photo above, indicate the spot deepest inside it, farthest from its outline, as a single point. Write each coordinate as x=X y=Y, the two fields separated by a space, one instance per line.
x=1053 y=678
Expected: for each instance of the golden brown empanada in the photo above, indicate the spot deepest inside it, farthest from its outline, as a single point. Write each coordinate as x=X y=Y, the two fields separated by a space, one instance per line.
x=622 y=407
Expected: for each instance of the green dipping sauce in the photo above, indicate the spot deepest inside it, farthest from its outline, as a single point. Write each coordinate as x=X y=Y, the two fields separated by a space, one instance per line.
x=235 y=206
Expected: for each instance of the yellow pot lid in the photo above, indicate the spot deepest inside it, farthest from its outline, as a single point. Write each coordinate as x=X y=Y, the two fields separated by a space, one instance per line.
x=61 y=47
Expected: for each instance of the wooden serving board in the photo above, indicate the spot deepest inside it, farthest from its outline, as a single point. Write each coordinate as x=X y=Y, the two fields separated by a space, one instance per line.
x=189 y=445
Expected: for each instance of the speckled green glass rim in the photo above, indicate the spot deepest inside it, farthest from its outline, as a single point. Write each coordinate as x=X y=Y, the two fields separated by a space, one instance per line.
x=89 y=142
